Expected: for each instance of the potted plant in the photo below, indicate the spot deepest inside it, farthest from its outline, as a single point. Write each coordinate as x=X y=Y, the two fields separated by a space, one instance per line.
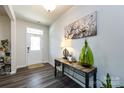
x=108 y=83
x=86 y=56
x=4 y=44
x=5 y=47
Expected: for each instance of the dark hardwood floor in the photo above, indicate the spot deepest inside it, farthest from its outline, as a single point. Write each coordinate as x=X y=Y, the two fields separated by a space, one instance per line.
x=36 y=78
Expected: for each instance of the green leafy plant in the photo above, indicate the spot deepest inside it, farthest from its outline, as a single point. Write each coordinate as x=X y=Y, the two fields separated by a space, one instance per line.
x=4 y=44
x=108 y=83
x=86 y=57
x=5 y=49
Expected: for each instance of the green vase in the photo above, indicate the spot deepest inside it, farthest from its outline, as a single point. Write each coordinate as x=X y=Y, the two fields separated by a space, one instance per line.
x=86 y=56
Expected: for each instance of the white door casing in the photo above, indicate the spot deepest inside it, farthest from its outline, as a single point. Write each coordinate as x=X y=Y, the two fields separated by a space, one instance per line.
x=34 y=47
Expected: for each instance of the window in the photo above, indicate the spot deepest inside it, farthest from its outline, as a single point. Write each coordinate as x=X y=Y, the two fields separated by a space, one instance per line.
x=34 y=38
x=34 y=31
x=35 y=43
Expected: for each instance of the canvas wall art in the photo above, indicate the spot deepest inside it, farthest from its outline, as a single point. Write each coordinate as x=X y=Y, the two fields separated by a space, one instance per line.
x=84 y=27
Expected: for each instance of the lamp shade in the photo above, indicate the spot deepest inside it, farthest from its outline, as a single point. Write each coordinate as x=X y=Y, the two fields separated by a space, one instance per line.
x=66 y=43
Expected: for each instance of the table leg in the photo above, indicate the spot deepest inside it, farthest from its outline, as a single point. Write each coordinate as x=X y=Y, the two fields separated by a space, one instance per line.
x=86 y=80
x=62 y=69
x=94 y=79
x=55 y=70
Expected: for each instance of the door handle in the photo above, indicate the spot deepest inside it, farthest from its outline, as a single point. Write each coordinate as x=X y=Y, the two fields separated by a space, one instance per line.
x=28 y=48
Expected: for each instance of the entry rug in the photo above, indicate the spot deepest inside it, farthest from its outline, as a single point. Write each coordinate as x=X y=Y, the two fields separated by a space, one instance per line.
x=36 y=66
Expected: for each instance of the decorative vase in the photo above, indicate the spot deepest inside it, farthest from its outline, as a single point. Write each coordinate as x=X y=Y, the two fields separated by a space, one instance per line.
x=86 y=56
x=65 y=53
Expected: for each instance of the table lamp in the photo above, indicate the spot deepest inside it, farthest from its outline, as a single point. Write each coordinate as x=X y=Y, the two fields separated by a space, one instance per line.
x=66 y=44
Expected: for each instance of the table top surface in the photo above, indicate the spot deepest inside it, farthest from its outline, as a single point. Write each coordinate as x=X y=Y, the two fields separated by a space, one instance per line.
x=76 y=65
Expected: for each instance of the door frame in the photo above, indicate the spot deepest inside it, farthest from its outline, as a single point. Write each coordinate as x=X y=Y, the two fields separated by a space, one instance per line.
x=26 y=55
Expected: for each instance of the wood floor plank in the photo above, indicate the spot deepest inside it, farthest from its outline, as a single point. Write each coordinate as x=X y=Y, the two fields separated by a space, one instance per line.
x=42 y=77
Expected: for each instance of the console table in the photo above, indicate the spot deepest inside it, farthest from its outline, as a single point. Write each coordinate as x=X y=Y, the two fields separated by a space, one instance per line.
x=76 y=71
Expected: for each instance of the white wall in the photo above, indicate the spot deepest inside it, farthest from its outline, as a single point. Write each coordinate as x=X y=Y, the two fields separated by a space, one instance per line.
x=107 y=46
x=21 y=26
x=5 y=28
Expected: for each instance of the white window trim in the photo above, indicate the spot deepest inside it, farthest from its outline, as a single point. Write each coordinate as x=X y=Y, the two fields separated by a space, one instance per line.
x=34 y=31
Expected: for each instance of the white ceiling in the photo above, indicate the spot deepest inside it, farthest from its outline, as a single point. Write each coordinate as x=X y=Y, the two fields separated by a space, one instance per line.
x=38 y=14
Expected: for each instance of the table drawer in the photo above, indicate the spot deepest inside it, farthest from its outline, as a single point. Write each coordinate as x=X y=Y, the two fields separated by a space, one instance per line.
x=68 y=70
x=79 y=77
x=79 y=72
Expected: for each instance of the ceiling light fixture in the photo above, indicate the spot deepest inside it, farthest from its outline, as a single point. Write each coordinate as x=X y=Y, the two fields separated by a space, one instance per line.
x=49 y=7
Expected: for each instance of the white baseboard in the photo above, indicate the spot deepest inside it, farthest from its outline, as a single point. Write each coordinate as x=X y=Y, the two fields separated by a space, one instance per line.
x=13 y=72
x=21 y=66
x=51 y=64
x=46 y=61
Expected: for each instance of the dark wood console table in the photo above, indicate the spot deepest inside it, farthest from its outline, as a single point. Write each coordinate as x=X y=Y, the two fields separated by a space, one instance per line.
x=76 y=71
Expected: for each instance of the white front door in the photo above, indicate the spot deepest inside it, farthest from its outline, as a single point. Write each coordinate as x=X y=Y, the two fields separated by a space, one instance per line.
x=33 y=47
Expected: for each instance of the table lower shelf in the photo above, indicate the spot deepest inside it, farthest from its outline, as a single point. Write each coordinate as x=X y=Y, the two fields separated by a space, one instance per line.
x=5 y=69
